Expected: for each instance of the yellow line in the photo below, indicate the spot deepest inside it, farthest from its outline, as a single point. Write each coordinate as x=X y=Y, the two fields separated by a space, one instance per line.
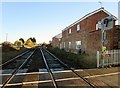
x=24 y=83
x=102 y=75
x=33 y=82
x=68 y=79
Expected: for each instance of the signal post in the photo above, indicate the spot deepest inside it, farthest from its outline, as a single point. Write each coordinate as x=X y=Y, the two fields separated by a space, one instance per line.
x=104 y=24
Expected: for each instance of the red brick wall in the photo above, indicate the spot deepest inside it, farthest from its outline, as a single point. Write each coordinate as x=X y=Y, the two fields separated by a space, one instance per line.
x=94 y=41
x=92 y=20
x=55 y=42
x=112 y=39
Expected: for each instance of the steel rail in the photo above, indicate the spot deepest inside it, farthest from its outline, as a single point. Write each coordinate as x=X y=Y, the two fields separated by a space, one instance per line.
x=58 y=60
x=92 y=85
x=48 y=69
x=14 y=58
x=14 y=73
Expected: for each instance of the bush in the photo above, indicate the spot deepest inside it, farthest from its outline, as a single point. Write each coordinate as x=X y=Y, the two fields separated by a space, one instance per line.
x=74 y=60
x=7 y=48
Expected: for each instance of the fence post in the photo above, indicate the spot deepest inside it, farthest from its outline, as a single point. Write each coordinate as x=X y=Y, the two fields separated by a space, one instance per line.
x=98 y=58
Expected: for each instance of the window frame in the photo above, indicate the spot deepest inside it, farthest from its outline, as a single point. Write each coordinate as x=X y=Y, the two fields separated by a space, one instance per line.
x=69 y=44
x=97 y=26
x=78 y=27
x=63 y=44
x=78 y=43
x=69 y=31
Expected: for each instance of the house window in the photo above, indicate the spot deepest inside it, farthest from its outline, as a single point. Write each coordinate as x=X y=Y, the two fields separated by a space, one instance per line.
x=59 y=39
x=60 y=46
x=78 y=27
x=64 y=45
x=98 y=25
x=69 y=31
x=78 y=44
x=69 y=45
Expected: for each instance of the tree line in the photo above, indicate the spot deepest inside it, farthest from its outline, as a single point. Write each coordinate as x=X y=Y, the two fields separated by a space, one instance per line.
x=28 y=43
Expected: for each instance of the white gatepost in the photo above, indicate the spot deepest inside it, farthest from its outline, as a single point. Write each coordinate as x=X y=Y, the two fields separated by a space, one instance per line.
x=98 y=58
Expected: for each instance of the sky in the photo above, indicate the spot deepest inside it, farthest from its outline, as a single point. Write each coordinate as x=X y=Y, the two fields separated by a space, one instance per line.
x=119 y=13
x=44 y=20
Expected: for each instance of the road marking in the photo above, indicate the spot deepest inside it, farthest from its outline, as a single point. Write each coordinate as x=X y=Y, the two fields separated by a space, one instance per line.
x=15 y=84
x=102 y=75
x=64 y=79
x=23 y=73
x=32 y=73
x=33 y=82
x=24 y=83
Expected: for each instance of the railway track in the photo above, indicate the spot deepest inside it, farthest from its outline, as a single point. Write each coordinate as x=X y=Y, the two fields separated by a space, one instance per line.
x=51 y=67
x=54 y=73
x=16 y=57
x=28 y=54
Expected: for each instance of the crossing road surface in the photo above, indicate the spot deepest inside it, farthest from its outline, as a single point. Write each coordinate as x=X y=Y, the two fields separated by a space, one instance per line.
x=104 y=77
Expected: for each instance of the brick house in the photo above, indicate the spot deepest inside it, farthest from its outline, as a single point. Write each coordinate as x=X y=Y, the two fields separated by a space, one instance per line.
x=56 y=40
x=85 y=36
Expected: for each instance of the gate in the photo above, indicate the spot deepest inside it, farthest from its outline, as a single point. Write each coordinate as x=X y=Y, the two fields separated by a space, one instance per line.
x=110 y=57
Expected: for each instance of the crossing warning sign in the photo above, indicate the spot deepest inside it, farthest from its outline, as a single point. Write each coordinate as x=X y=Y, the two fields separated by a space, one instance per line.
x=107 y=55
x=103 y=49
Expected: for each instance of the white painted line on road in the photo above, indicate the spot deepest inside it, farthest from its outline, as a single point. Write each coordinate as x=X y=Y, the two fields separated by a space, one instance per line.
x=33 y=82
x=24 y=83
x=15 y=84
x=62 y=71
x=64 y=79
x=45 y=81
x=32 y=73
x=102 y=75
